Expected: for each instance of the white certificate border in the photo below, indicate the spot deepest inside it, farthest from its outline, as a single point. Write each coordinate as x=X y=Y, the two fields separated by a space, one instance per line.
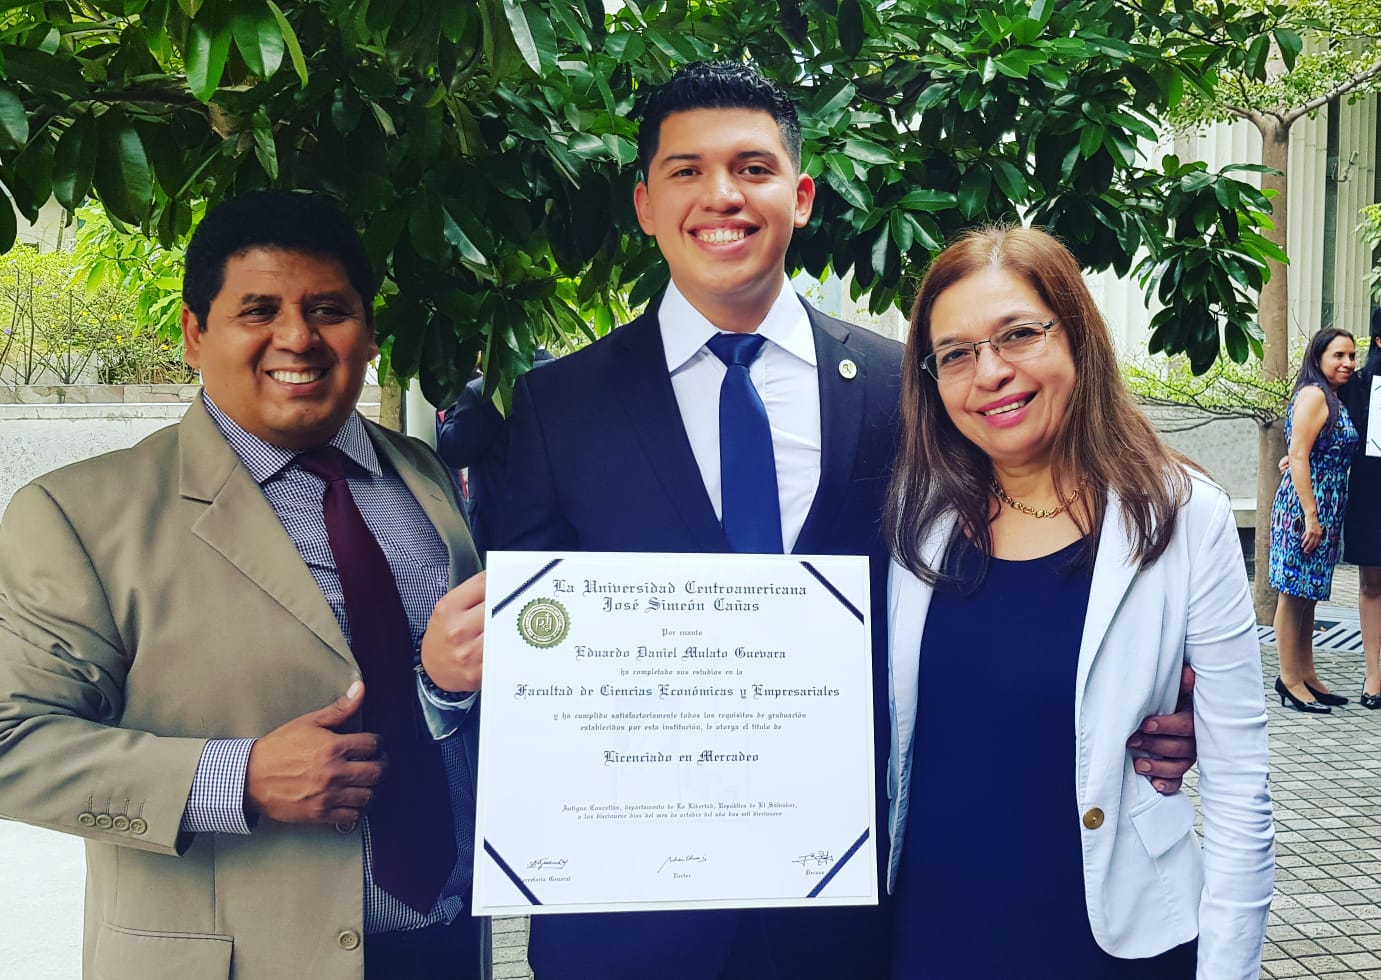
x=484 y=847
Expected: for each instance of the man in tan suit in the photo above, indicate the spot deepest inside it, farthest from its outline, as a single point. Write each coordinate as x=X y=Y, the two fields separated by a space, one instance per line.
x=173 y=620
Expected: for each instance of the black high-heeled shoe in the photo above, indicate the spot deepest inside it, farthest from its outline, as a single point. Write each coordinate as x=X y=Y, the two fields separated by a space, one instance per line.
x=1309 y=707
x=1371 y=700
x=1326 y=697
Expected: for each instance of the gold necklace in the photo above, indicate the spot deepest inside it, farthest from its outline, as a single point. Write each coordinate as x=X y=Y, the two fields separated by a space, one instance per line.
x=1033 y=512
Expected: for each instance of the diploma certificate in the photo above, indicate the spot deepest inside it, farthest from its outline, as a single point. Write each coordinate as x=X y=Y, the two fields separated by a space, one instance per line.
x=673 y=732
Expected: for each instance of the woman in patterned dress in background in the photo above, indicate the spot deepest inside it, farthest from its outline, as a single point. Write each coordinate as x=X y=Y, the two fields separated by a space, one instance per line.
x=1307 y=514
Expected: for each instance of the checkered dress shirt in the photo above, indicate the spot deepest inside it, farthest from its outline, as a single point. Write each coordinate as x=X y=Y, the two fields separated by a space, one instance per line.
x=421 y=568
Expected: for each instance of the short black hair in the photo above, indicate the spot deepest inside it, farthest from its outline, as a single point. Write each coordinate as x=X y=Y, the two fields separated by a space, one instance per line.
x=295 y=221
x=717 y=85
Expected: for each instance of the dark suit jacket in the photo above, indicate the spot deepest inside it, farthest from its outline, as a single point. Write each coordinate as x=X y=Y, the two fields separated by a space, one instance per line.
x=599 y=461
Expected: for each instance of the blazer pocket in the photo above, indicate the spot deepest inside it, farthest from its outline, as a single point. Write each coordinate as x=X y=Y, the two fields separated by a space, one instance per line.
x=1163 y=821
x=133 y=954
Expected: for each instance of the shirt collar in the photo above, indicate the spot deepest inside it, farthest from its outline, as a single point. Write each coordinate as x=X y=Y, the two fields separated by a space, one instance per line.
x=685 y=330
x=265 y=460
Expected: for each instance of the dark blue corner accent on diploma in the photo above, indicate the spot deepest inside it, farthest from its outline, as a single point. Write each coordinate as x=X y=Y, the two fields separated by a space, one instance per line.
x=834 y=592
x=527 y=585
x=513 y=877
x=820 y=885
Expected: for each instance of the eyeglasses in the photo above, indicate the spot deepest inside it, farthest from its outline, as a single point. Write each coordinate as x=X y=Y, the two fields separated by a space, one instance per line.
x=1016 y=342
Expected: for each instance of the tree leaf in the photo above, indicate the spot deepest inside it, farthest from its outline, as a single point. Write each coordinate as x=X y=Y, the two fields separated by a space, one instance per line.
x=265 y=148
x=75 y=162
x=928 y=200
x=257 y=37
x=14 y=121
x=454 y=234
x=973 y=192
x=9 y=224
x=850 y=26
x=1290 y=45
x=522 y=34
x=290 y=41
x=123 y=177
x=1009 y=180
x=208 y=46
x=868 y=152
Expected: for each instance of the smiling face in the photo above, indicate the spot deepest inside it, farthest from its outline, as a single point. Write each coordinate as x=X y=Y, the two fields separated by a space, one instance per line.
x=284 y=347
x=1012 y=412
x=723 y=199
x=1339 y=360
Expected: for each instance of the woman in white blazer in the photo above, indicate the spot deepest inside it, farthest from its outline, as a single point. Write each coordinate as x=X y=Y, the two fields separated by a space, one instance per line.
x=1052 y=556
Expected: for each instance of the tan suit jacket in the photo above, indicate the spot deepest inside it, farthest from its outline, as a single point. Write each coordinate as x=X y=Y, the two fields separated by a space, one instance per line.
x=150 y=599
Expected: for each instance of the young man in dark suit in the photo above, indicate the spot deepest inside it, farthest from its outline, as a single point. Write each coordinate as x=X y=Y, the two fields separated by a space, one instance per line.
x=617 y=447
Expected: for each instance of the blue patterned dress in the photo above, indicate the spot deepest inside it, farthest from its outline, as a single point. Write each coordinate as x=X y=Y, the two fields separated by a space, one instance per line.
x=1292 y=571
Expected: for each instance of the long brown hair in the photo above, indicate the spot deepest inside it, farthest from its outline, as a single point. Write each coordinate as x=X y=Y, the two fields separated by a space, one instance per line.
x=1103 y=439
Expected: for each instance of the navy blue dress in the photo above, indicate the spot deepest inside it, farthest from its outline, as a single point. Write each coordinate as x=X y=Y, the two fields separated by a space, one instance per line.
x=991 y=883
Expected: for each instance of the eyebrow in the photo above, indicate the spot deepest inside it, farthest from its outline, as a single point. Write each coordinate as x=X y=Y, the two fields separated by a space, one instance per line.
x=273 y=299
x=738 y=157
x=1006 y=321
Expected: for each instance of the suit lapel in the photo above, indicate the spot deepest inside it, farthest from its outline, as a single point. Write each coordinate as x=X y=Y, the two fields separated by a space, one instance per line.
x=841 y=420
x=1113 y=571
x=638 y=372
x=440 y=509
x=240 y=524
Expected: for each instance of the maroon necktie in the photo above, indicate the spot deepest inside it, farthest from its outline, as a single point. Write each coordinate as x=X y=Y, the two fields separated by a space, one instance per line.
x=410 y=826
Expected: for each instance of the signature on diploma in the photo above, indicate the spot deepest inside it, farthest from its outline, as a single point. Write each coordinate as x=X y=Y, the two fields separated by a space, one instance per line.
x=542 y=864
x=681 y=859
x=814 y=859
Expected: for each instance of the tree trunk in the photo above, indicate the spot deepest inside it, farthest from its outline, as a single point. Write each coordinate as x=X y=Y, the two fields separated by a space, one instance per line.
x=1274 y=311
x=391 y=404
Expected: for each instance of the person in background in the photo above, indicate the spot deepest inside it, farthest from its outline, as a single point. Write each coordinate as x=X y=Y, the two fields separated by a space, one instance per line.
x=1050 y=551
x=1361 y=522
x=1307 y=513
x=471 y=436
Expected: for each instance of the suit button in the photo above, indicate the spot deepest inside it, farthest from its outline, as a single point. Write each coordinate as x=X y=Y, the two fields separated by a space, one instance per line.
x=103 y=822
x=86 y=820
x=349 y=939
x=138 y=826
x=1093 y=818
x=120 y=823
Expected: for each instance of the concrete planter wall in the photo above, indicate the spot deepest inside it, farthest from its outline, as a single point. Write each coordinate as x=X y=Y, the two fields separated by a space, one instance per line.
x=43 y=427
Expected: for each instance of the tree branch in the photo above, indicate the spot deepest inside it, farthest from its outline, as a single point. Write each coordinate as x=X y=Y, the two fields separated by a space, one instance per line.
x=1343 y=88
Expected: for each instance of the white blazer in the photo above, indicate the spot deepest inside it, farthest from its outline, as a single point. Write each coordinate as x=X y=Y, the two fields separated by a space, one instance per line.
x=1148 y=882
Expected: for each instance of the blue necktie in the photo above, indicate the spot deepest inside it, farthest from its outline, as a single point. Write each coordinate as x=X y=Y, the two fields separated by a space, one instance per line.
x=752 y=515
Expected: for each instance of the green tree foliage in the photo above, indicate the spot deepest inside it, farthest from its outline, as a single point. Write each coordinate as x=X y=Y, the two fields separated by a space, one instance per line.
x=1275 y=63
x=486 y=147
x=58 y=327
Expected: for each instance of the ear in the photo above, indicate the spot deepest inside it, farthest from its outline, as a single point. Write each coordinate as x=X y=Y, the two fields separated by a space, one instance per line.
x=805 y=199
x=191 y=338
x=643 y=206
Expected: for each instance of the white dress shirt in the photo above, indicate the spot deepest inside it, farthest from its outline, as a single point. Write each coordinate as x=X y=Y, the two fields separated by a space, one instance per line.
x=784 y=375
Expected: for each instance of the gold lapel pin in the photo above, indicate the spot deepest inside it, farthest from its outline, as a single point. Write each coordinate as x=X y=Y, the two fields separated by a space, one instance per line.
x=848 y=370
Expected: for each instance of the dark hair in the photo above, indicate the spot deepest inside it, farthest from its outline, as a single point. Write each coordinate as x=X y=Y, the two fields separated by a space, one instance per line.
x=294 y=221
x=1311 y=368
x=1373 y=364
x=717 y=85
x=1103 y=443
